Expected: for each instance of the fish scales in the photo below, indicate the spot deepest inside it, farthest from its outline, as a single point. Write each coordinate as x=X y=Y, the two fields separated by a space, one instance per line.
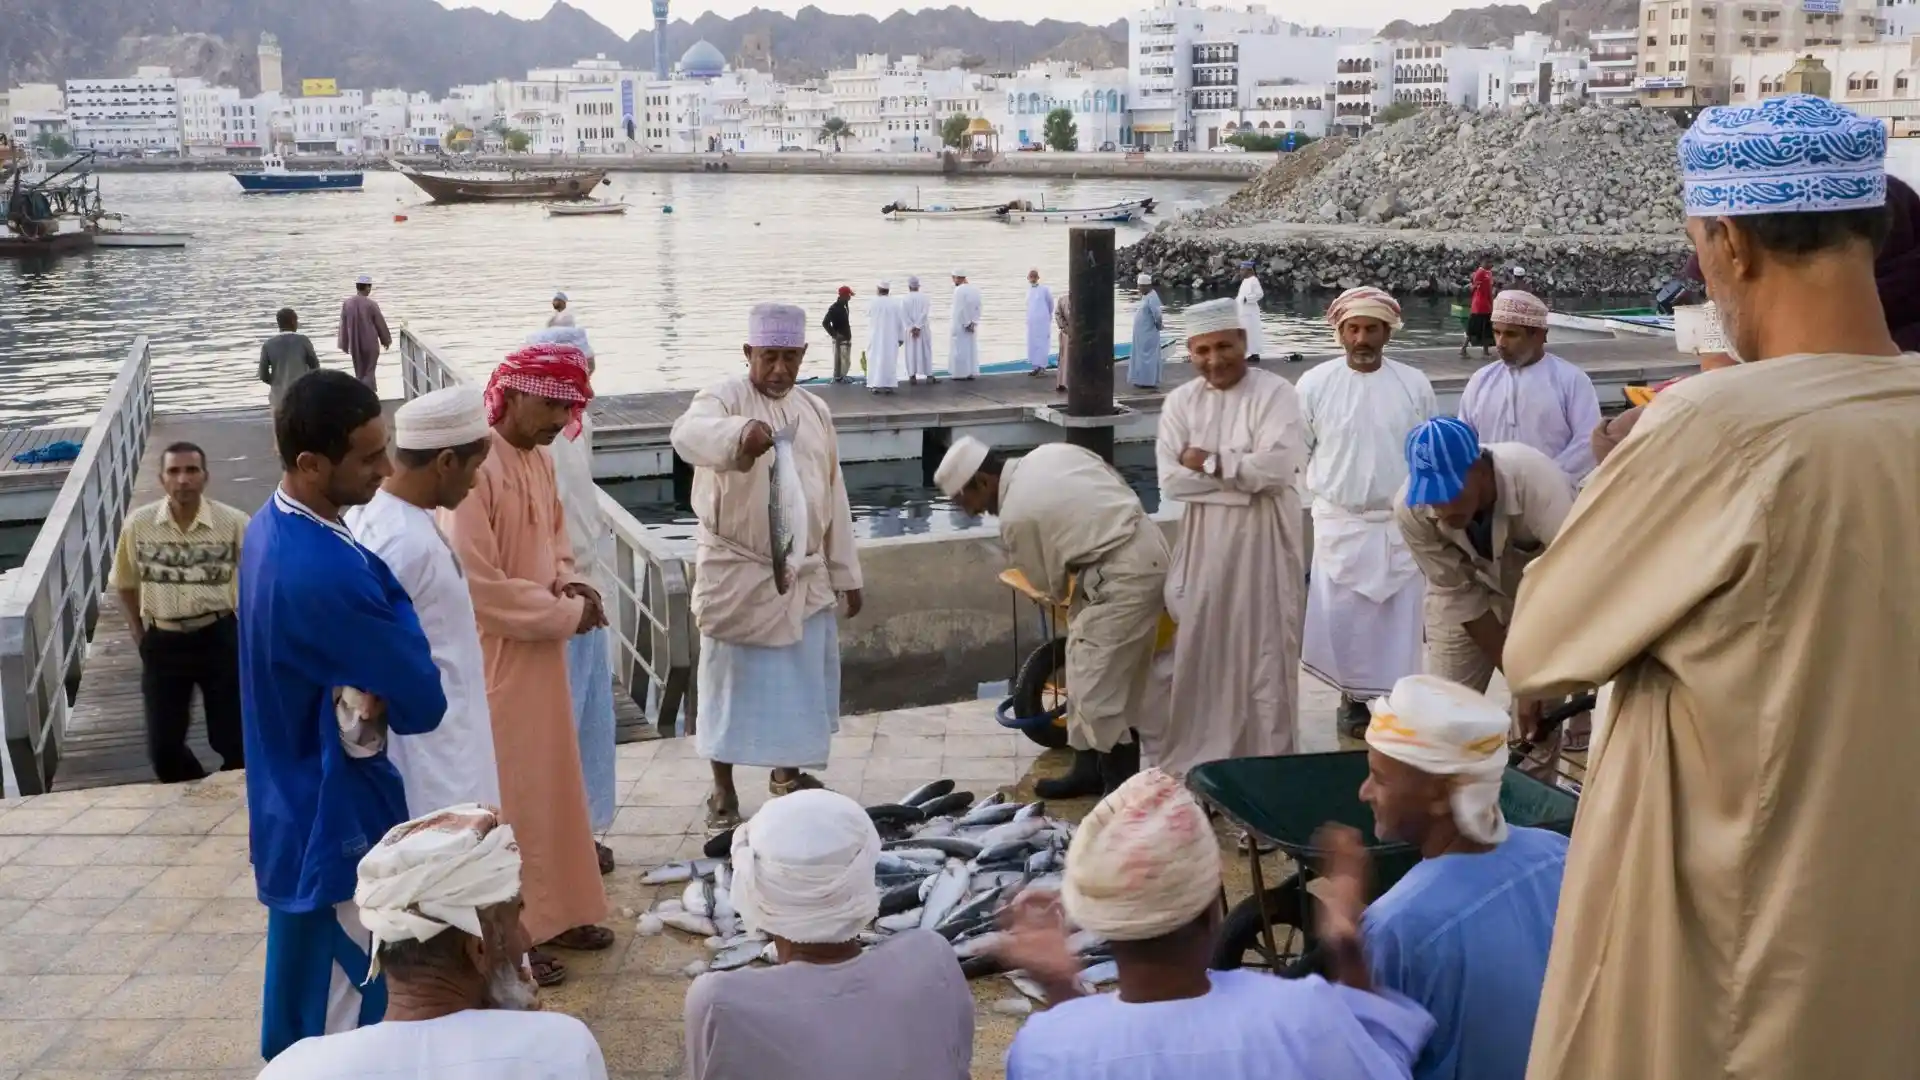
x=786 y=510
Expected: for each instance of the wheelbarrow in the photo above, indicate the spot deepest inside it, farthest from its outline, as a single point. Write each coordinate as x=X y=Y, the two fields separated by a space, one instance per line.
x=1038 y=705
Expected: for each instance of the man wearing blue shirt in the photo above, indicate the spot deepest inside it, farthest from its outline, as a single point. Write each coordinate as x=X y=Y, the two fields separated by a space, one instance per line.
x=1465 y=932
x=332 y=658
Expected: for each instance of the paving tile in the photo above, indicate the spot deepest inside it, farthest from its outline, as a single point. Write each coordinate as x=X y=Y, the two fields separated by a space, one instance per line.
x=850 y=746
x=31 y=820
x=150 y=915
x=914 y=770
x=65 y=851
x=888 y=746
x=23 y=1041
x=207 y=1044
x=216 y=848
x=150 y=796
x=655 y=820
x=64 y=916
x=983 y=746
x=864 y=724
x=107 y=954
x=105 y=821
x=98 y=1046
x=19 y=882
x=643 y=852
x=77 y=1074
x=56 y=997
x=11 y=910
x=232 y=915
x=664 y=792
x=184 y=820
x=159 y=997
x=205 y=880
x=675 y=750
x=114 y=881
x=150 y=851
x=12 y=846
x=201 y=954
x=25 y=955
x=248 y=1073
x=910 y=723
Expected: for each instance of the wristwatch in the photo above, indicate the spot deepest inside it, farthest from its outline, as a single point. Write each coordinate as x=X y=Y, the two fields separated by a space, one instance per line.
x=1211 y=466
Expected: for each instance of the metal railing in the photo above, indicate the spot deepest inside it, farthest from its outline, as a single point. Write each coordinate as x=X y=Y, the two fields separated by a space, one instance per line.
x=49 y=608
x=651 y=610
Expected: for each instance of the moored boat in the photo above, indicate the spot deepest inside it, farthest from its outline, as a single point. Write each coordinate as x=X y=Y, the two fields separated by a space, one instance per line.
x=50 y=211
x=1023 y=210
x=126 y=238
x=577 y=184
x=587 y=209
x=273 y=177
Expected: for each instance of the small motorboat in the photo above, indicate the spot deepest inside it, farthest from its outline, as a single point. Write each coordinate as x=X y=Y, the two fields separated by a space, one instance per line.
x=586 y=209
x=1114 y=213
x=273 y=177
x=132 y=238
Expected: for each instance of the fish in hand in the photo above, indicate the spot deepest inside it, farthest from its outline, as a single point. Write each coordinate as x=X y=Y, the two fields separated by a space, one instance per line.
x=786 y=511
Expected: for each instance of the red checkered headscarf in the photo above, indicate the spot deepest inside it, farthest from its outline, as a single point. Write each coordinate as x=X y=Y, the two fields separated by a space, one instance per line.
x=551 y=371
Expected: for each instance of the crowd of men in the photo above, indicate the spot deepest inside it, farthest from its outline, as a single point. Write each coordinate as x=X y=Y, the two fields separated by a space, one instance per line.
x=409 y=608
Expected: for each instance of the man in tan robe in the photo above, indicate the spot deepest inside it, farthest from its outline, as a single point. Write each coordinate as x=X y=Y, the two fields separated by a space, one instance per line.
x=1231 y=446
x=510 y=536
x=1743 y=568
x=769 y=679
x=1070 y=523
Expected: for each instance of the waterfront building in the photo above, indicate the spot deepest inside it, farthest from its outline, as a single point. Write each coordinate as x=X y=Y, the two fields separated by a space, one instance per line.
x=1531 y=71
x=1688 y=47
x=383 y=122
x=37 y=98
x=1018 y=105
x=1285 y=105
x=6 y=113
x=249 y=126
x=1879 y=78
x=203 y=117
x=328 y=124
x=1613 y=60
x=427 y=123
x=140 y=113
x=31 y=128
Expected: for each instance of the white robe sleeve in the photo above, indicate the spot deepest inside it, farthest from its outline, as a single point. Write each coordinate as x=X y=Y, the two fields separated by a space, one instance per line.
x=1280 y=449
x=707 y=436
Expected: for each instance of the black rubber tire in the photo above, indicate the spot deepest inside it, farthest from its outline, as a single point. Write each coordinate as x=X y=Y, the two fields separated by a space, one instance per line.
x=1240 y=931
x=1029 y=693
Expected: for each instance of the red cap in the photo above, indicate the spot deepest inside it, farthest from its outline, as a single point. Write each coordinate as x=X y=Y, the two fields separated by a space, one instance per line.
x=845 y=291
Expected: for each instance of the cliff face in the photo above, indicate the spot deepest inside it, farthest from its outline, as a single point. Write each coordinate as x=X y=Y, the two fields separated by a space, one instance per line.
x=420 y=45
x=1567 y=20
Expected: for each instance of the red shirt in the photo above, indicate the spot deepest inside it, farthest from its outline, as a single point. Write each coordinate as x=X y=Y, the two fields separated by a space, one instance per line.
x=1482 y=301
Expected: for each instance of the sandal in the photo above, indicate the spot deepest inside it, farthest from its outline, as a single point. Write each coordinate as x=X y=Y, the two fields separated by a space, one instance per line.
x=722 y=813
x=605 y=855
x=547 y=971
x=583 y=939
x=802 y=781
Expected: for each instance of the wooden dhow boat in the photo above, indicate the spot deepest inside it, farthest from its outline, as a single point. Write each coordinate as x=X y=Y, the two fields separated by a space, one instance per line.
x=577 y=184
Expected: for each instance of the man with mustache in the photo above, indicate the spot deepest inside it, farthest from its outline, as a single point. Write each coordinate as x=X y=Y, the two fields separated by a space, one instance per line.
x=510 y=536
x=1364 y=617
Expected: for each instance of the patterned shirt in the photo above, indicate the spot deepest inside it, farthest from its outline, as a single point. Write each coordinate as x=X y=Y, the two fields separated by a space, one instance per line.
x=181 y=573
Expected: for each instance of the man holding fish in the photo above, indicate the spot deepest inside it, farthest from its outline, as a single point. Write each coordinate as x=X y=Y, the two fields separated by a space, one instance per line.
x=776 y=549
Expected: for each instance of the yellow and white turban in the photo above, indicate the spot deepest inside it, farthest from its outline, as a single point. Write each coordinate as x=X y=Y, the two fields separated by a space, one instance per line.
x=1143 y=863
x=436 y=873
x=1515 y=307
x=1364 y=302
x=1445 y=729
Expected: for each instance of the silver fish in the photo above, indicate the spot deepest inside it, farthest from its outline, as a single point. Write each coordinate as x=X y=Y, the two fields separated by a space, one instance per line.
x=987 y=880
x=975 y=946
x=737 y=956
x=671 y=874
x=927 y=792
x=1084 y=941
x=1107 y=971
x=1027 y=985
x=1044 y=860
x=893 y=924
x=697 y=925
x=991 y=814
x=786 y=509
x=929 y=856
x=771 y=954
x=947 y=892
x=697 y=898
x=933 y=830
x=1022 y=829
x=1032 y=809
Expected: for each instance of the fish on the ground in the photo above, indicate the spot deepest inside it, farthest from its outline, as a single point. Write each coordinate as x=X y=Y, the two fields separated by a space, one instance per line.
x=901 y=898
x=1031 y=810
x=945 y=894
x=950 y=845
x=1101 y=974
x=670 y=874
x=991 y=814
x=1018 y=829
x=898 y=921
x=1011 y=1006
x=786 y=510
x=895 y=814
x=697 y=925
x=927 y=792
x=951 y=803
x=738 y=956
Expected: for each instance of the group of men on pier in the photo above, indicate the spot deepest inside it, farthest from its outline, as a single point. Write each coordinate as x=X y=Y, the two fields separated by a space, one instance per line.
x=406 y=607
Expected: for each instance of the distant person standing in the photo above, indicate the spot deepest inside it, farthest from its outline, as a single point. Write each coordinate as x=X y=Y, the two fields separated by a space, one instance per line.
x=887 y=331
x=1063 y=321
x=561 y=316
x=1479 y=309
x=1039 y=324
x=285 y=358
x=963 y=363
x=363 y=331
x=1143 y=363
x=1249 y=300
x=839 y=327
x=916 y=313
x=176 y=570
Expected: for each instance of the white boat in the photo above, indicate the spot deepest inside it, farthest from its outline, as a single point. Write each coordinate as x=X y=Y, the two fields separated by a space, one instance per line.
x=901 y=212
x=1115 y=213
x=1615 y=325
x=588 y=209
x=116 y=238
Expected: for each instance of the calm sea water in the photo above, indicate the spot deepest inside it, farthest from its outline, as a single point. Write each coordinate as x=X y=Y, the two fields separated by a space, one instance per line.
x=663 y=296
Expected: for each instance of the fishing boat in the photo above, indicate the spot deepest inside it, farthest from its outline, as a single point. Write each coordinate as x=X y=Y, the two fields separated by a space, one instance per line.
x=130 y=238
x=1122 y=350
x=903 y=212
x=50 y=211
x=1023 y=210
x=273 y=177
x=587 y=209
x=443 y=188
x=1614 y=321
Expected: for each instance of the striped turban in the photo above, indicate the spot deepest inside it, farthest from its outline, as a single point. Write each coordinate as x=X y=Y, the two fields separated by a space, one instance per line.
x=1516 y=308
x=1143 y=863
x=548 y=370
x=1365 y=302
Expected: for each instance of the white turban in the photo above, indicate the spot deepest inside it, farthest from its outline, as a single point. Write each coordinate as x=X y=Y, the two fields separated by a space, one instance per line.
x=563 y=334
x=434 y=873
x=803 y=868
x=1211 y=317
x=913 y=282
x=776 y=326
x=440 y=419
x=1445 y=729
x=958 y=273
x=560 y=296
x=1143 y=279
x=962 y=460
x=1517 y=308
x=1143 y=863
x=1365 y=302
x=886 y=285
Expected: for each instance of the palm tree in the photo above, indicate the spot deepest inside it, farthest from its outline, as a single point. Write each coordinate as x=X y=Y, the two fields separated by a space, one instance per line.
x=834 y=129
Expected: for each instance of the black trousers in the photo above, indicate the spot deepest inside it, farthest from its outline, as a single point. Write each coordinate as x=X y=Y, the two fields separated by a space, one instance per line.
x=171 y=665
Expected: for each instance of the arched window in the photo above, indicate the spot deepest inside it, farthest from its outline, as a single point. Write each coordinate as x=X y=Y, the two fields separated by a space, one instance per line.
x=1853 y=84
x=1299 y=125
x=1086 y=102
x=1113 y=101
x=1873 y=80
x=1739 y=86
x=1264 y=126
x=1232 y=127
x=1901 y=81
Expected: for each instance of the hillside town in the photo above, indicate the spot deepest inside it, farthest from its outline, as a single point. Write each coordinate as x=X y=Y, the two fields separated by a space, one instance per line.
x=1199 y=78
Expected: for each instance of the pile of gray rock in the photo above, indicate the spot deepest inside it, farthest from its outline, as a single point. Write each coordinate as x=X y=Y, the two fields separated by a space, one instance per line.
x=1534 y=171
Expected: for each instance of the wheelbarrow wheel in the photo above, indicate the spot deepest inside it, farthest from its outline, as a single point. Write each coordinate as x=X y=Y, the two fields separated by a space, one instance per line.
x=1043 y=669
x=1239 y=943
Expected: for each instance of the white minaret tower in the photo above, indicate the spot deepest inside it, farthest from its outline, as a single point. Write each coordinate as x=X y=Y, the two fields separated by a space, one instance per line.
x=272 y=81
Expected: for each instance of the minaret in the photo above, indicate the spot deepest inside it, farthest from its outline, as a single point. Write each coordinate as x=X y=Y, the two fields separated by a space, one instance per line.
x=660 y=39
x=271 y=79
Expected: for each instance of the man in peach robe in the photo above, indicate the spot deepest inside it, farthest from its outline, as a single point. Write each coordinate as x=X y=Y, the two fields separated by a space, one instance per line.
x=511 y=539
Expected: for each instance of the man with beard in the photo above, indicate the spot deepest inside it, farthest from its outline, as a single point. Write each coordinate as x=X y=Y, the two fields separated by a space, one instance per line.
x=1743 y=569
x=1529 y=395
x=511 y=538
x=1364 y=600
x=769 y=679
x=1231 y=446
x=441 y=894
x=332 y=658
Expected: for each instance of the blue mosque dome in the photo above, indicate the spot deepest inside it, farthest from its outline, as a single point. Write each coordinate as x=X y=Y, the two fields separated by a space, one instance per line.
x=703 y=61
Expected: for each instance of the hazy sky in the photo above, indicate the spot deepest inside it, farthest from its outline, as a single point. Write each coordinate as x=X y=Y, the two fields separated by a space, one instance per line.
x=626 y=16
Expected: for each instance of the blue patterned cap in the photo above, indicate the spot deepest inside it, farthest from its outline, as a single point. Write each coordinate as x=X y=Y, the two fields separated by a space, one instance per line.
x=1787 y=155
x=1439 y=453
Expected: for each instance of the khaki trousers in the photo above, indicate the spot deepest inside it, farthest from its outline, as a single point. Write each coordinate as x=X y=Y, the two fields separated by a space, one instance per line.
x=1110 y=638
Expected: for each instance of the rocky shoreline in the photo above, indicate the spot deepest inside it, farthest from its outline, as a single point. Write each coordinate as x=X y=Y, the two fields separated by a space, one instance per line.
x=1300 y=258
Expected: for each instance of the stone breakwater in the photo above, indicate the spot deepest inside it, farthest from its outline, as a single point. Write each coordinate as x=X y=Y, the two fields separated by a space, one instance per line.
x=1317 y=259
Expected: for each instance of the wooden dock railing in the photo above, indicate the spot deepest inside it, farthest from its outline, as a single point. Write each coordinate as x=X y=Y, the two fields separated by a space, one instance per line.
x=651 y=615
x=49 y=607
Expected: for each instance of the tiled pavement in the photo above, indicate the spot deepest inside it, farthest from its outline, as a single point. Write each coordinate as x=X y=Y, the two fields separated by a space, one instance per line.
x=131 y=944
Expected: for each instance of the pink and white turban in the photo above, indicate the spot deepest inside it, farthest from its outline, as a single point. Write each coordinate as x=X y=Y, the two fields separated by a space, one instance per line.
x=776 y=326
x=1143 y=863
x=1365 y=302
x=1517 y=308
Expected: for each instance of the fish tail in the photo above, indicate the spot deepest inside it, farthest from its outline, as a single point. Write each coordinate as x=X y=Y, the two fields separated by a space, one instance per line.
x=787 y=433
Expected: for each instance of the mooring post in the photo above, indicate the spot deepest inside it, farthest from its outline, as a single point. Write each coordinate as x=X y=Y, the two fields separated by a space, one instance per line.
x=1090 y=337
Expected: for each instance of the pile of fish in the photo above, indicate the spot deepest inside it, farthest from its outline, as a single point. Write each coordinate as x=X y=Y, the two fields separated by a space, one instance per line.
x=947 y=864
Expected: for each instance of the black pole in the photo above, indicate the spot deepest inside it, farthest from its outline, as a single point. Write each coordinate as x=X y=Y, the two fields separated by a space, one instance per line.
x=1090 y=336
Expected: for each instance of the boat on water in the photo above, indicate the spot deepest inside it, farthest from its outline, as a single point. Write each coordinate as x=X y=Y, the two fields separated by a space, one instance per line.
x=1023 y=210
x=49 y=211
x=1644 y=321
x=445 y=188
x=273 y=177
x=133 y=238
x=586 y=209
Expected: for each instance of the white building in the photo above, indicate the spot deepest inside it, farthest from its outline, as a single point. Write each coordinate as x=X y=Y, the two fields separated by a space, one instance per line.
x=1613 y=58
x=140 y=113
x=427 y=123
x=1878 y=79
x=1382 y=72
x=1193 y=70
x=203 y=116
x=248 y=126
x=383 y=122
x=1898 y=18
x=328 y=125
x=6 y=114
x=1689 y=48
x=1019 y=105
x=1276 y=108
x=1531 y=71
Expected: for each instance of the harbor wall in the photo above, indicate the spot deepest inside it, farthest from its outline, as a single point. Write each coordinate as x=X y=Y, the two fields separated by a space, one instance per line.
x=1154 y=166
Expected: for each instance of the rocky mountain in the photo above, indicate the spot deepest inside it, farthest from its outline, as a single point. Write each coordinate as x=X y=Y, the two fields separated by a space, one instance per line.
x=421 y=45
x=1567 y=20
